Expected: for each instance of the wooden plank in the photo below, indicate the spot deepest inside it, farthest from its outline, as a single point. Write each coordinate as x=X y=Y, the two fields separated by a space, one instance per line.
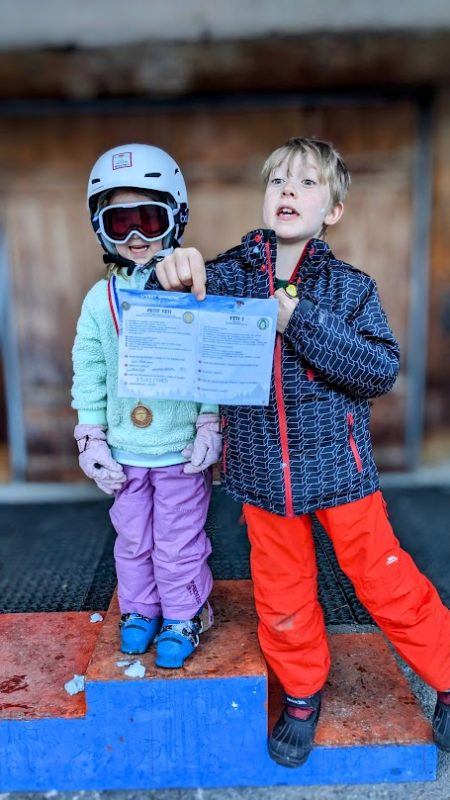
x=55 y=257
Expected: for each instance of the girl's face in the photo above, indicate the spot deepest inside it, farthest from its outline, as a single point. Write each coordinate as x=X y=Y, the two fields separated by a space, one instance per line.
x=135 y=249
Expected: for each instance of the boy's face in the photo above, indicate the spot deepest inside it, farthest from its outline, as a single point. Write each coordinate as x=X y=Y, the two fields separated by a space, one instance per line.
x=135 y=249
x=296 y=204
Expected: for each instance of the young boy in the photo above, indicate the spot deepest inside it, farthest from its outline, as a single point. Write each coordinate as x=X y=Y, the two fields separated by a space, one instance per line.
x=309 y=450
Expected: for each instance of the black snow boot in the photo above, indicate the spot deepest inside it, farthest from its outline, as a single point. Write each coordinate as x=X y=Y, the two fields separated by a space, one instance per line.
x=292 y=738
x=441 y=721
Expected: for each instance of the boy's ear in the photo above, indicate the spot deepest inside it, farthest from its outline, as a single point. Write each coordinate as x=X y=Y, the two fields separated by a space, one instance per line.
x=334 y=214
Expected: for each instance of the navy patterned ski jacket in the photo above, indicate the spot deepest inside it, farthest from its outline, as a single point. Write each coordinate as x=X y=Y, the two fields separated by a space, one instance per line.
x=310 y=447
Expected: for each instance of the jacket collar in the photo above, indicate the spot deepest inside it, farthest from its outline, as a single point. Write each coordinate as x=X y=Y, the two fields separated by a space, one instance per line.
x=256 y=244
x=260 y=243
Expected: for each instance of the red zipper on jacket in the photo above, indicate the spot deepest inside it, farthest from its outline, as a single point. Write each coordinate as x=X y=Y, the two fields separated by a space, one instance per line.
x=352 y=443
x=280 y=404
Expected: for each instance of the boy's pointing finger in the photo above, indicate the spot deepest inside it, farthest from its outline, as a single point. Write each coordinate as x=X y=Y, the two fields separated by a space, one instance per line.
x=167 y=274
x=183 y=269
x=198 y=275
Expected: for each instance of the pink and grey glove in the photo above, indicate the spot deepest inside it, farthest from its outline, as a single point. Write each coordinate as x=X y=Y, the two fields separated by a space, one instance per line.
x=207 y=445
x=95 y=458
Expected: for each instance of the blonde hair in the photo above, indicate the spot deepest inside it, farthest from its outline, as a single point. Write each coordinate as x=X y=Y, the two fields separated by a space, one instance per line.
x=330 y=164
x=112 y=269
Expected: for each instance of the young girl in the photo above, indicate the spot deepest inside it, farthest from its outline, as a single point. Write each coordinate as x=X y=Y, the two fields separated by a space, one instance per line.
x=153 y=456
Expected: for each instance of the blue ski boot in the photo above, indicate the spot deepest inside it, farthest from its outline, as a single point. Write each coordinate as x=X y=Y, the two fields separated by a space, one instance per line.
x=137 y=632
x=178 y=639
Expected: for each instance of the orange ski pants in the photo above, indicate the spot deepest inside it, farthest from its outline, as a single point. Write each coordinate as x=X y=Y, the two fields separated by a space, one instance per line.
x=402 y=601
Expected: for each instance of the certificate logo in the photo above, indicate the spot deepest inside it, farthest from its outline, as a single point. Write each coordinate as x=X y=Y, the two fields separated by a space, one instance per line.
x=263 y=323
x=188 y=317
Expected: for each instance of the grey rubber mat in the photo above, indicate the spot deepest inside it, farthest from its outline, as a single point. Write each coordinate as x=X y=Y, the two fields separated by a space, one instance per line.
x=56 y=557
x=230 y=560
x=59 y=556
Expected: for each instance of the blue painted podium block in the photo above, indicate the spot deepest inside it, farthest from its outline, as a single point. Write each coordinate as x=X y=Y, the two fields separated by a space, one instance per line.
x=206 y=725
x=169 y=735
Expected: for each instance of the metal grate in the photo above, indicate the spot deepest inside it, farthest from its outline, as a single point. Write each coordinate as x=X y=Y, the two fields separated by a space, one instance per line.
x=231 y=552
x=59 y=556
x=52 y=557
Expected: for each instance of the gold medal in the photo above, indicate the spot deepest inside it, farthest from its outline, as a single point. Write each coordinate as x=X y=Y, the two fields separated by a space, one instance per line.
x=141 y=416
x=291 y=290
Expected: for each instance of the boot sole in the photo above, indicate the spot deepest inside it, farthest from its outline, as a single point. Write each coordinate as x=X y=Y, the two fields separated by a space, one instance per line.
x=288 y=762
x=442 y=748
x=169 y=666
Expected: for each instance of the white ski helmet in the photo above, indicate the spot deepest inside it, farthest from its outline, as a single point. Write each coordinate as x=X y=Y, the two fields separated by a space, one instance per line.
x=139 y=166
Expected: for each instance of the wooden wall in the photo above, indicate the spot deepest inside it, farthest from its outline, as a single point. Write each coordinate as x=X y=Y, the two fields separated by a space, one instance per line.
x=437 y=419
x=54 y=256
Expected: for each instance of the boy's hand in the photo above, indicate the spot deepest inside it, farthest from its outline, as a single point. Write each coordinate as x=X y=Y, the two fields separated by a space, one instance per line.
x=184 y=269
x=286 y=306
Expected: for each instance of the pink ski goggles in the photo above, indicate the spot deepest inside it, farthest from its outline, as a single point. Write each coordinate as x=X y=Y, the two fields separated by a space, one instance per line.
x=150 y=220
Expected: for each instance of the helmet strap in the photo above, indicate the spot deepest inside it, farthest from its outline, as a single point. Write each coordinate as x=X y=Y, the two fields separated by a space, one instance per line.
x=113 y=258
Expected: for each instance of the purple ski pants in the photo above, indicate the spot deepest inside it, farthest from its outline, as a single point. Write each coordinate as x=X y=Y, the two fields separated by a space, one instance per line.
x=161 y=548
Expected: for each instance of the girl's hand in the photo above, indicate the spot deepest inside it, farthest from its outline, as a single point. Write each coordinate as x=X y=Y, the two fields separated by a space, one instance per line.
x=95 y=458
x=206 y=448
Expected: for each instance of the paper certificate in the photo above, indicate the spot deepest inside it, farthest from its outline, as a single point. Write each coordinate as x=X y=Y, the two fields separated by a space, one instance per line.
x=175 y=347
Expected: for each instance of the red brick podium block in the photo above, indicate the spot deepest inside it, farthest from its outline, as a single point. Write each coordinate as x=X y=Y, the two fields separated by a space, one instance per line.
x=39 y=653
x=205 y=725
x=367 y=700
x=228 y=650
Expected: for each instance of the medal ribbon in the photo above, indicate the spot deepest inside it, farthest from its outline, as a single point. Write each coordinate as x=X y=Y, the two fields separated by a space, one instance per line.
x=141 y=415
x=113 y=299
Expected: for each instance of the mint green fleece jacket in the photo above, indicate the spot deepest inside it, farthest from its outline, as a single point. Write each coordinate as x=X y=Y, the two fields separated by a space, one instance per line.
x=94 y=389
